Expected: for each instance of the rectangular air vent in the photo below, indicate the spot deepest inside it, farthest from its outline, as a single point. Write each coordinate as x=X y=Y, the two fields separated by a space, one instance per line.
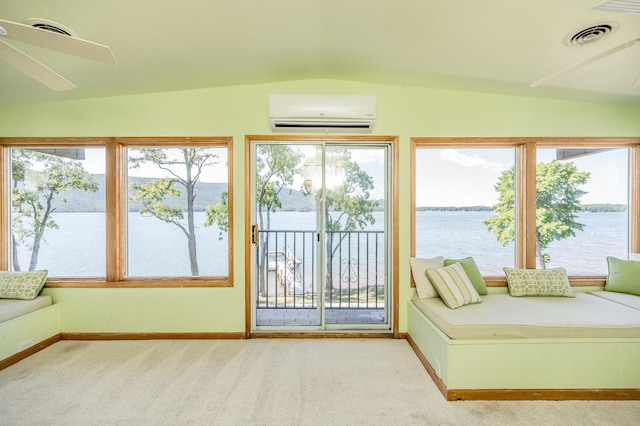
x=621 y=6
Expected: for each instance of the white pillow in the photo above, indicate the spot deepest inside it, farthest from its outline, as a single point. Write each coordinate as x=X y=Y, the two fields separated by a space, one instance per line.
x=634 y=256
x=419 y=266
x=454 y=286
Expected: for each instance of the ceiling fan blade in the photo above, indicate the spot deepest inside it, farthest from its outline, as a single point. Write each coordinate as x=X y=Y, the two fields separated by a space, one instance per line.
x=59 y=42
x=586 y=62
x=34 y=69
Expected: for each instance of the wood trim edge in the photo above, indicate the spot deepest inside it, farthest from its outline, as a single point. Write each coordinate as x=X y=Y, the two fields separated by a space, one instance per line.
x=438 y=382
x=609 y=394
x=152 y=336
x=29 y=351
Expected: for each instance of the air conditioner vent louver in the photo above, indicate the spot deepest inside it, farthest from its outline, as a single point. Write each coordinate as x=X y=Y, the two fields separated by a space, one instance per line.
x=621 y=6
x=321 y=125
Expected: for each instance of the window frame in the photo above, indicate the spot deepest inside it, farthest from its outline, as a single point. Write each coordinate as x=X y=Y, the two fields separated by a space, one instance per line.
x=525 y=254
x=116 y=192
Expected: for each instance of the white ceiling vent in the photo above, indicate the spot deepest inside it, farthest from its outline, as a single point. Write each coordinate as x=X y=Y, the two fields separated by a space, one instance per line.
x=621 y=6
x=322 y=113
x=591 y=33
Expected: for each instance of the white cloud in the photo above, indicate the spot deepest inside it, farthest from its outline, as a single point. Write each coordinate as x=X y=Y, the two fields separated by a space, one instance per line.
x=454 y=156
x=364 y=156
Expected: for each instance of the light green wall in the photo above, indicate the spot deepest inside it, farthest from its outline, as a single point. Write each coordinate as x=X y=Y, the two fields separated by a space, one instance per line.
x=238 y=111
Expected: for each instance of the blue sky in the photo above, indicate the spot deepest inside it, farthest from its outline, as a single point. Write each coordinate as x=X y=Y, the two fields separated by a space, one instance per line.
x=466 y=177
x=456 y=177
x=94 y=163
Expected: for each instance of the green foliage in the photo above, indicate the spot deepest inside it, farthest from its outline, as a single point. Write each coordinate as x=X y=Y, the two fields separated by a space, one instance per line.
x=503 y=224
x=557 y=204
x=152 y=195
x=218 y=214
x=276 y=167
x=348 y=205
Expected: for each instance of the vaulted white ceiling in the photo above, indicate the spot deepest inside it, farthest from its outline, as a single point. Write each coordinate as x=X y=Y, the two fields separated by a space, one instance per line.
x=495 y=46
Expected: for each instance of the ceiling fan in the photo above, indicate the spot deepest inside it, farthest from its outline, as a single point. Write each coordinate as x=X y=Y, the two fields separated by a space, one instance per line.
x=49 y=35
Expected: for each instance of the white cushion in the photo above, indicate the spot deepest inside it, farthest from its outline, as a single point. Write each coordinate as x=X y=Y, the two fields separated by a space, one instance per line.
x=501 y=316
x=419 y=265
x=13 y=308
x=630 y=300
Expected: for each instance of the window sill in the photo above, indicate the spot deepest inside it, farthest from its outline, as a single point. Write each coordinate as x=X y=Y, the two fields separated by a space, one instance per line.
x=174 y=282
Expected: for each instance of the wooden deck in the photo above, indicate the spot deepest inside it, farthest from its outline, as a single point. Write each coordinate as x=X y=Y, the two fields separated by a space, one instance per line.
x=308 y=317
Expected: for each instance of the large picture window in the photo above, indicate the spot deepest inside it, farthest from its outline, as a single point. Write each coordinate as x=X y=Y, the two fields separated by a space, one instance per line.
x=134 y=212
x=569 y=202
x=58 y=211
x=174 y=226
x=583 y=208
x=456 y=197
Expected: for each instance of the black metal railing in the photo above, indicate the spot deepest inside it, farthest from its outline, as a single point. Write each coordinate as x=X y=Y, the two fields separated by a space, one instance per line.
x=287 y=265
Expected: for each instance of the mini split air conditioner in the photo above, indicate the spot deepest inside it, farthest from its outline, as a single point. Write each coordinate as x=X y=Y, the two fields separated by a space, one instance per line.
x=325 y=113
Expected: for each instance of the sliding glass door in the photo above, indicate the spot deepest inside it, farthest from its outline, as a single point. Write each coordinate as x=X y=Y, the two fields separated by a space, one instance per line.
x=320 y=236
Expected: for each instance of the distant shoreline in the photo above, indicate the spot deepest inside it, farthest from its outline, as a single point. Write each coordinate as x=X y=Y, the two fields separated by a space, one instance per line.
x=593 y=208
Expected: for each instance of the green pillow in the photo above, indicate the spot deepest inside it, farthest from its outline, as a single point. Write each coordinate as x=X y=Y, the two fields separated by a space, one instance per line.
x=22 y=285
x=538 y=282
x=623 y=276
x=453 y=286
x=470 y=267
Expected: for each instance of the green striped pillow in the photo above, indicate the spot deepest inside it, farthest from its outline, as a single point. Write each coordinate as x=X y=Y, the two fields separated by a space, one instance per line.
x=453 y=286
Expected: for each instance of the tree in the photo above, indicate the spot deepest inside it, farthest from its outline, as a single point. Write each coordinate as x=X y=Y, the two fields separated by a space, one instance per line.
x=33 y=205
x=276 y=166
x=557 y=202
x=347 y=206
x=218 y=214
x=185 y=170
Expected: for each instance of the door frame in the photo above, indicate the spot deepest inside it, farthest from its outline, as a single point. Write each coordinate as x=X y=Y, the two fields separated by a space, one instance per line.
x=394 y=185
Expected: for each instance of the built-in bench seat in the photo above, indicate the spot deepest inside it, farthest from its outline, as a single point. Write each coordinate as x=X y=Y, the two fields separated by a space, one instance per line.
x=13 y=308
x=26 y=326
x=585 y=347
x=501 y=316
x=541 y=340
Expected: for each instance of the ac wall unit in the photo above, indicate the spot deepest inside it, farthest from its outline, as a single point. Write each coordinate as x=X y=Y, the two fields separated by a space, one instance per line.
x=325 y=113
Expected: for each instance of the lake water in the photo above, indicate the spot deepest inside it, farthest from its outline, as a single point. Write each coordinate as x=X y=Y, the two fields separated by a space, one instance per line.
x=462 y=234
x=77 y=248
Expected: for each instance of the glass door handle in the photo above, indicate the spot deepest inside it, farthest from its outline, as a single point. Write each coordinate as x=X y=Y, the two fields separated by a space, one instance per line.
x=254 y=234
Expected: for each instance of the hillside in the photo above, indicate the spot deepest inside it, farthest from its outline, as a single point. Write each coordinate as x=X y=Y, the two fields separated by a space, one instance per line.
x=81 y=201
x=206 y=194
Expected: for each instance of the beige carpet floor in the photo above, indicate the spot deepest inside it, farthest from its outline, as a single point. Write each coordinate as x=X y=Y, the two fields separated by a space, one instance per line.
x=258 y=381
